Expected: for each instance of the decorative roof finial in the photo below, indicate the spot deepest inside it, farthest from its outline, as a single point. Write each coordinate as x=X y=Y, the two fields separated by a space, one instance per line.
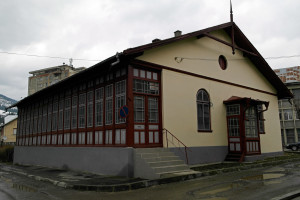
x=231 y=15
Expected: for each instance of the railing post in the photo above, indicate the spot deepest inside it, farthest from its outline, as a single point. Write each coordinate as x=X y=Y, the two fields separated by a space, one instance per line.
x=167 y=138
x=186 y=156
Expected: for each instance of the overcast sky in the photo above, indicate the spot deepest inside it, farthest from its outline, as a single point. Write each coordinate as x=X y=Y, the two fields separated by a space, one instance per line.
x=97 y=29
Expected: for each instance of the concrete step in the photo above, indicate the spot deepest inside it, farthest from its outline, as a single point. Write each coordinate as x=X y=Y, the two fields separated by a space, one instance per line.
x=158 y=159
x=166 y=163
x=156 y=154
x=151 y=150
x=171 y=168
x=179 y=173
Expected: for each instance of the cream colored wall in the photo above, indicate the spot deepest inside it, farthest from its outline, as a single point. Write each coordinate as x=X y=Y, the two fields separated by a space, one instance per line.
x=180 y=111
x=8 y=131
x=179 y=91
x=206 y=48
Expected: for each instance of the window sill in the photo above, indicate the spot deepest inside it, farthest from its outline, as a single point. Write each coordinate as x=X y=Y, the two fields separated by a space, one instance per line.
x=205 y=131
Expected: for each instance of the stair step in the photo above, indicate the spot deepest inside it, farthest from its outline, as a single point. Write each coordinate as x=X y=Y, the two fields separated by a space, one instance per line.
x=151 y=150
x=178 y=173
x=156 y=154
x=164 y=158
x=165 y=163
x=170 y=168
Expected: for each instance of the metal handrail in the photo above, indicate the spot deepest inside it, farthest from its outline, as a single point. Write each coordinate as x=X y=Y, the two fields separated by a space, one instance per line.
x=178 y=141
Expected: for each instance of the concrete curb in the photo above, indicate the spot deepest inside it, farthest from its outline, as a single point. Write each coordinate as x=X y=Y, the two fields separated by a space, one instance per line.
x=288 y=196
x=149 y=183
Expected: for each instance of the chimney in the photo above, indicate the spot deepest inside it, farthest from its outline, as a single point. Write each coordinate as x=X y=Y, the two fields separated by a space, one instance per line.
x=177 y=33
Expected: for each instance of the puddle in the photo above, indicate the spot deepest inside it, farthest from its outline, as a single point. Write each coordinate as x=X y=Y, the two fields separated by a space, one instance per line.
x=18 y=186
x=215 y=191
x=23 y=188
x=263 y=177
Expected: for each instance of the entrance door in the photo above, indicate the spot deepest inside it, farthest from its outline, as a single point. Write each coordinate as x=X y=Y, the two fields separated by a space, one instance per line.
x=146 y=121
x=251 y=131
x=234 y=129
x=242 y=127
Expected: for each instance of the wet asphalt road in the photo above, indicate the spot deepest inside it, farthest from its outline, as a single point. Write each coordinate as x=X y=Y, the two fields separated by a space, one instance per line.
x=262 y=183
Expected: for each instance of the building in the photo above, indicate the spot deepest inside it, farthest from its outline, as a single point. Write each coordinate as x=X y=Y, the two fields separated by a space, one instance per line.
x=9 y=130
x=209 y=90
x=289 y=110
x=43 y=78
x=289 y=75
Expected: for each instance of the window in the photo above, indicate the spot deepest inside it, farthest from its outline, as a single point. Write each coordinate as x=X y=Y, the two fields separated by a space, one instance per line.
x=81 y=138
x=120 y=137
x=108 y=104
x=44 y=125
x=74 y=138
x=139 y=109
x=261 y=120
x=40 y=119
x=15 y=131
x=98 y=137
x=89 y=139
x=49 y=117
x=67 y=138
x=153 y=110
x=288 y=114
x=251 y=123
x=99 y=107
x=120 y=100
x=147 y=87
x=90 y=109
x=61 y=114
x=54 y=116
x=108 y=137
x=203 y=110
x=67 y=114
x=74 y=112
x=81 y=114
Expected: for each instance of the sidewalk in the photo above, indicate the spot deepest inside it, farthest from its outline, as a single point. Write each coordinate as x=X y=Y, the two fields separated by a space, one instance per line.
x=95 y=182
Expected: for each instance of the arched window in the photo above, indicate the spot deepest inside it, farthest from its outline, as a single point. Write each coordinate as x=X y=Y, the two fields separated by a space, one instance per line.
x=203 y=110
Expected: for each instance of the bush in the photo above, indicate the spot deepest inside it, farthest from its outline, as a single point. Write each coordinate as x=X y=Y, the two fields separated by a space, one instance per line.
x=6 y=153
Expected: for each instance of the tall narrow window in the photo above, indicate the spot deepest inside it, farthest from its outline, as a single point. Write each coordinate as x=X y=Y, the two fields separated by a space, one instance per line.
x=74 y=112
x=261 y=119
x=139 y=109
x=40 y=118
x=203 y=110
x=99 y=107
x=44 y=127
x=54 y=116
x=61 y=115
x=49 y=117
x=90 y=108
x=108 y=104
x=120 y=90
x=153 y=110
x=67 y=114
x=81 y=115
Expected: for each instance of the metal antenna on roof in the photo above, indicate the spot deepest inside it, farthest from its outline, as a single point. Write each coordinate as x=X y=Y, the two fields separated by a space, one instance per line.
x=231 y=13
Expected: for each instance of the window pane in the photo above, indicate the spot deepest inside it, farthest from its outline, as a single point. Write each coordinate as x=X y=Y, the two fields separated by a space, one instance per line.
x=82 y=107
x=74 y=112
x=67 y=114
x=90 y=109
x=108 y=104
x=153 y=110
x=203 y=110
x=99 y=107
x=139 y=109
x=120 y=100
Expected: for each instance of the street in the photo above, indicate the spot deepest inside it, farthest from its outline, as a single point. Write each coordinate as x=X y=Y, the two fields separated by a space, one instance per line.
x=262 y=183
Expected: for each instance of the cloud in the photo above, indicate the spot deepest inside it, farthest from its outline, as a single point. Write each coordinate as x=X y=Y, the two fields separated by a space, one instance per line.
x=93 y=29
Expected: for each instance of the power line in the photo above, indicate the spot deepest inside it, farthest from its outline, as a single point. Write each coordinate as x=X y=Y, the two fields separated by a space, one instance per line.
x=176 y=58
x=39 y=56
